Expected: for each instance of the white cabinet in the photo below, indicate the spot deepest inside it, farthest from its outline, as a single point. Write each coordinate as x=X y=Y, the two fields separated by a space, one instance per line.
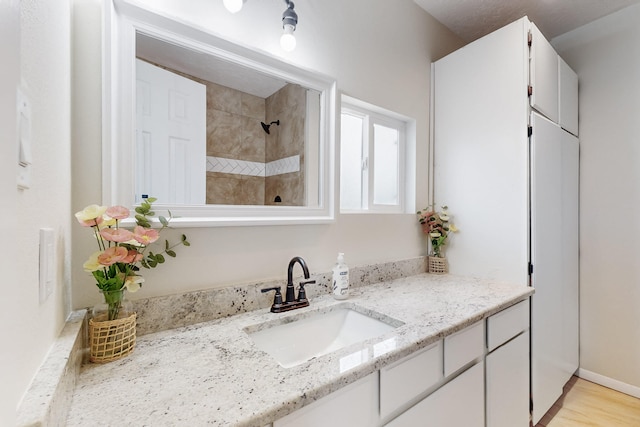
x=568 y=97
x=507 y=367
x=458 y=403
x=484 y=126
x=410 y=377
x=506 y=324
x=463 y=347
x=554 y=334
x=543 y=76
x=442 y=385
x=508 y=384
x=356 y=405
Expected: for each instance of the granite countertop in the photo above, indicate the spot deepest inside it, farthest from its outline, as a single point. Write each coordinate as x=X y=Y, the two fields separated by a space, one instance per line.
x=211 y=373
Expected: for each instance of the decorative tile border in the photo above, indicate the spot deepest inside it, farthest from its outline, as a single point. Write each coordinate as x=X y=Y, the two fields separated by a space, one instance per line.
x=247 y=168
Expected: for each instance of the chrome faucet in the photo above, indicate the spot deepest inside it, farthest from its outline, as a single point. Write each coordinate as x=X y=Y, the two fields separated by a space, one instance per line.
x=291 y=302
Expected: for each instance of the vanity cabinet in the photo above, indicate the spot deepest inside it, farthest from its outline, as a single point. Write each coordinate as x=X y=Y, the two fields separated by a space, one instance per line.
x=507 y=367
x=410 y=377
x=355 y=405
x=443 y=383
x=460 y=402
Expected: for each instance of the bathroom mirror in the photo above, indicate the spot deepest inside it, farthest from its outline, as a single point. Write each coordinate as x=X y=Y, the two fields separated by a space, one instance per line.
x=220 y=134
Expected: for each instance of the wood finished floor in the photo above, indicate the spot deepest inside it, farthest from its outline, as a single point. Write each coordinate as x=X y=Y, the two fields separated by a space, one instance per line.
x=588 y=404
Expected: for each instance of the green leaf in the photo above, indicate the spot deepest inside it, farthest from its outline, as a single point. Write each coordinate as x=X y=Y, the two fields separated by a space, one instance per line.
x=166 y=245
x=184 y=242
x=170 y=253
x=164 y=221
x=151 y=199
x=159 y=258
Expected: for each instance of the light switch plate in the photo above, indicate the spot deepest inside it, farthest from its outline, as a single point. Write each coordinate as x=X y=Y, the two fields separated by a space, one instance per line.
x=47 y=262
x=24 y=140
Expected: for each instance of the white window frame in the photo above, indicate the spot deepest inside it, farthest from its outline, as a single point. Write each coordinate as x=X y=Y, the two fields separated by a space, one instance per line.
x=372 y=115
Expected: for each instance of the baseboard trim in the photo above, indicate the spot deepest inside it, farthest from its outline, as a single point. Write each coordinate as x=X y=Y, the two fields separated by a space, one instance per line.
x=620 y=386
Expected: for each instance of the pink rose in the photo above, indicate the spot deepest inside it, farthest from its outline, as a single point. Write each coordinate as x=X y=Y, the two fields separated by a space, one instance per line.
x=116 y=234
x=112 y=255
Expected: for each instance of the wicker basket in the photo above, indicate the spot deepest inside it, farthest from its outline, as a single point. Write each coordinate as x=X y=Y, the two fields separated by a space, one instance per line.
x=111 y=339
x=437 y=265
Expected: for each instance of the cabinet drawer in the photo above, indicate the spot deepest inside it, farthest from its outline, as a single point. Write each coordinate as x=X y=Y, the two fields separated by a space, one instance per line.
x=409 y=377
x=463 y=347
x=508 y=323
x=355 y=405
x=459 y=403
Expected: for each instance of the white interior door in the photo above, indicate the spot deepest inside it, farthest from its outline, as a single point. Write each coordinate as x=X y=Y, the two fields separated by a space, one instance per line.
x=554 y=256
x=170 y=136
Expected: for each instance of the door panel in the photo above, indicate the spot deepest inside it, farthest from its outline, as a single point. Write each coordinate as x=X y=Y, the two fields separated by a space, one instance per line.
x=170 y=136
x=544 y=76
x=554 y=257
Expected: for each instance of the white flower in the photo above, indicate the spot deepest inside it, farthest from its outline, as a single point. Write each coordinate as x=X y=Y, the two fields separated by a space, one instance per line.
x=133 y=283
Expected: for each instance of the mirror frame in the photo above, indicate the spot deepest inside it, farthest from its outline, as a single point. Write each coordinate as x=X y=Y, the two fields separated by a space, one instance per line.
x=123 y=21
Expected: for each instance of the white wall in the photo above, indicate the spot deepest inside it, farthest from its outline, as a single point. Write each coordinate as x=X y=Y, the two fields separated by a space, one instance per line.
x=606 y=56
x=379 y=51
x=35 y=49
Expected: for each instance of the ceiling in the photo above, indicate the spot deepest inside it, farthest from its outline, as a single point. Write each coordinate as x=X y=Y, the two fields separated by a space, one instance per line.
x=472 y=19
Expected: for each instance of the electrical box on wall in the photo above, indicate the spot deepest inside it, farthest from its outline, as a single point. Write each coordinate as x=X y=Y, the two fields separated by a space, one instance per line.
x=24 y=140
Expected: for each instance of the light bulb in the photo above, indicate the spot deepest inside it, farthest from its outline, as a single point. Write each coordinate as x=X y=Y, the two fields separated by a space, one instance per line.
x=288 y=40
x=233 y=6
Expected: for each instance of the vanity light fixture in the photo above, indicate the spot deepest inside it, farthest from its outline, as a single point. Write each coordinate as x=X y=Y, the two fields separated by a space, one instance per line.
x=233 y=6
x=289 y=21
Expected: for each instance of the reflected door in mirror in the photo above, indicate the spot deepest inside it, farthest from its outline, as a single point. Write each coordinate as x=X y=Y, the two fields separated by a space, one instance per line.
x=170 y=136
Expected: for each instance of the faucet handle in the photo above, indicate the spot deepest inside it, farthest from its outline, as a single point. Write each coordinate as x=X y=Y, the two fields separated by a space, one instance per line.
x=277 y=299
x=302 y=294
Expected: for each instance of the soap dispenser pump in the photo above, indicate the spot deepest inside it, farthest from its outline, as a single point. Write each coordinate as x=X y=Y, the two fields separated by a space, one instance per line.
x=340 y=278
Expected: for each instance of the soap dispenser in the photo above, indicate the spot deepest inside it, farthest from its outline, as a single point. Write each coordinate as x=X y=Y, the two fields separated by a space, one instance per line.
x=340 y=278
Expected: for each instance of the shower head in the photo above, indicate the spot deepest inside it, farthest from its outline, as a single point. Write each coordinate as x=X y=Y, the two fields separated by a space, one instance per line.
x=267 y=126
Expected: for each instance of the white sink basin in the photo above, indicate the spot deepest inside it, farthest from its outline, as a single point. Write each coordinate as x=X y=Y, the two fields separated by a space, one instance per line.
x=306 y=337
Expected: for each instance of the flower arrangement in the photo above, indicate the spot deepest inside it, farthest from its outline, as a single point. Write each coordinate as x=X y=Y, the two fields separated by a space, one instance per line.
x=121 y=252
x=436 y=225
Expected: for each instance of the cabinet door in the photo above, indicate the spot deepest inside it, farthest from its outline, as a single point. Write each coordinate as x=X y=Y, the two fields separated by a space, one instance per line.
x=353 y=406
x=554 y=238
x=568 y=98
x=406 y=380
x=481 y=154
x=457 y=403
x=544 y=76
x=508 y=384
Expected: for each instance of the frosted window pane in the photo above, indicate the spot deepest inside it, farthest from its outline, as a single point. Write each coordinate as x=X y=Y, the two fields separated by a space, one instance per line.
x=351 y=162
x=385 y=180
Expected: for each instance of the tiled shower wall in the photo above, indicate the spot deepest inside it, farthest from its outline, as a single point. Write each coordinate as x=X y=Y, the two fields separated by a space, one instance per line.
x=234 y=134
x=289 y=105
